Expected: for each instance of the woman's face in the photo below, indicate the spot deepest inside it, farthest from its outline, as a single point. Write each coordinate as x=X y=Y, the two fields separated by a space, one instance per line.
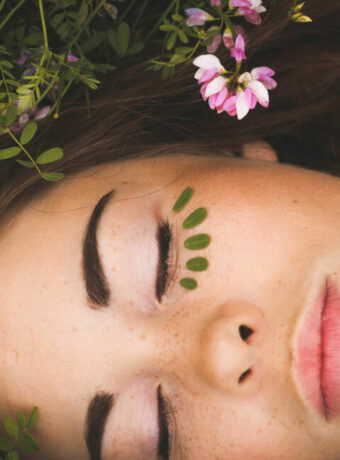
x=243 y=362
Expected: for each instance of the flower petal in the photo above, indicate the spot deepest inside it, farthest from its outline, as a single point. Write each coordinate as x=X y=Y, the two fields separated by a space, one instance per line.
x=215 y=86
x=260 y=91
x=222 y=96
x=199 y=73
x=243 y=102
x=258 y=72
x=207 y=75
x=208 y=61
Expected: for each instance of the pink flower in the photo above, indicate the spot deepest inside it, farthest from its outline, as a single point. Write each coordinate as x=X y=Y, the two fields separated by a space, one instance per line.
x=250 y=9
x=214 y=86
x=256 y=83
x=215 y=2
x=228 y=38
x=35 y=114
x=238 y=51
x=72 y=58
x=215 y=42
x=197 y=17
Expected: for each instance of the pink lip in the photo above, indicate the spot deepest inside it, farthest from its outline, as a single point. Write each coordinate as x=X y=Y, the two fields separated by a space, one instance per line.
x=318 y=352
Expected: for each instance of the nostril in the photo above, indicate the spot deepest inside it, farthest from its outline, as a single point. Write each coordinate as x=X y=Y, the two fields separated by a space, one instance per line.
x=245 y=332
x=244 y=375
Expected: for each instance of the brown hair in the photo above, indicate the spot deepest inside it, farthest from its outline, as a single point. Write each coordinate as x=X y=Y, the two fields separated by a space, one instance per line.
x=137 y=113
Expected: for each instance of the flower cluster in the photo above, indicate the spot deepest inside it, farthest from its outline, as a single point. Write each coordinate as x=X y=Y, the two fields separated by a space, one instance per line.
x=229 y=91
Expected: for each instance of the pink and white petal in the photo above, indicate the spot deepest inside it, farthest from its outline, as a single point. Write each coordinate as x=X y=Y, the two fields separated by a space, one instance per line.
x=245 y=76
x=208 y=75
x=251 y=16
x=215 y=44
x=239 y=42
x=199 y=73
x=212 y=101
x=268 y=82
x=195 y=20
x=243 y=101
x=240 y=3
x=253 y=101
x=208 y=61
x=215 y=86
x=203 y=90
x=222 y=96
x=260 y=91
x=230 y=104
x=259 y=72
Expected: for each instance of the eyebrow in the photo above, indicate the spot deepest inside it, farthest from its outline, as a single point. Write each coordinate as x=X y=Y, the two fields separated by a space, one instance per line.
x=97 y=414
x=97 y=287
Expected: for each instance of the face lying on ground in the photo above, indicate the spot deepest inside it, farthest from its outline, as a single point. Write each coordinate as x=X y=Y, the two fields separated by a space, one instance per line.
x=224 y=356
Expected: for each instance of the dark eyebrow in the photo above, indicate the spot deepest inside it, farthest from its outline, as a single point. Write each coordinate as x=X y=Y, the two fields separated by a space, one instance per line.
x=97 y=414
x=97 y=287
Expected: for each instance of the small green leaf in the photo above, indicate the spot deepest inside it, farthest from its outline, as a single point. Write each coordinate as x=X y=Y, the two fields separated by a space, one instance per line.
x=50 y=155
x=183 y=199
x=11 y=426
x=5 y=444
x=28 y=132
x=83 y=12
x=123 y=37
x=10 y=116
x=197 y=264
x=182 y=36
x=188 y=283
x=177 y=59
x=171 y=40
x=10 y=152
x=135 y=48
x=32 y=418
x=28 y=445
x=21 y=419
x=195 y=242
x=52 y=176
x=27 y=164
x=183 y=50
x=177 y=17
x=167 y=27
x=12 y=455
x=195 y=218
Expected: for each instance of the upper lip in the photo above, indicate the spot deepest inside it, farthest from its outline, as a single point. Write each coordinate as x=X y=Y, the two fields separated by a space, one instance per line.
x=308 y=352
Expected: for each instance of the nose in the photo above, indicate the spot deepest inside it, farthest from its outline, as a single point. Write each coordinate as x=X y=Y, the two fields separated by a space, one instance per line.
x=231 y=349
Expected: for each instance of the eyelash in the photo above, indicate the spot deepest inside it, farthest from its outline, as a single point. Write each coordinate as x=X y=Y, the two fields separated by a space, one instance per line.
x=164 y=238
x=164 y=413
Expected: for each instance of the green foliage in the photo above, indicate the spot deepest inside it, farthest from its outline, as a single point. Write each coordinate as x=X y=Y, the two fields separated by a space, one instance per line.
x=18 y=435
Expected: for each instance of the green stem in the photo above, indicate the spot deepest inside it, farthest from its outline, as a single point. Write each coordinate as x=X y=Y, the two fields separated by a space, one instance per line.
x=230 y=25
x=159 y=22
x=43 y=23
x=8 y=17
x=56 y=105
x=132 y=2
x=23 y=148
x=2 y=4
x=141 y=11
x=6 y=86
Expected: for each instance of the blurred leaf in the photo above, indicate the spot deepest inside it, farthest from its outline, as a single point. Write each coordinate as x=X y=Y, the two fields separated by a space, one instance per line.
x=28 y=132
x=57 y=19
x=171 y=40
x=11 y=425
x=27 y=164
x=32 y=418
x=52 y=176
x=83 y=12
x=182 y=36
x=92 y=42
x=167 y=27
x=10 y=116
x=177 y=17
x=5 y=444
x=135 y=48
x=21 y=417
x=34 y=39
x=28 y=445
x=13 y=455
x=113 y=40
x=183 y=50
x=123 y=37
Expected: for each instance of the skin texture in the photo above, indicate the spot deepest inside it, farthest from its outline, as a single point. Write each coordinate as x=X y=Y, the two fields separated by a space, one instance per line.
x=274 y=238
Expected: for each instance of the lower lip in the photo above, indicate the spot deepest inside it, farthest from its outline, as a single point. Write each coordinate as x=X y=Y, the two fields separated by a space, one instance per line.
x=318 y=352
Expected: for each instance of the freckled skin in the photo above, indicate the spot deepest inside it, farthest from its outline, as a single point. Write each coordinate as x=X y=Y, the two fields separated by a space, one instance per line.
x=273 y=237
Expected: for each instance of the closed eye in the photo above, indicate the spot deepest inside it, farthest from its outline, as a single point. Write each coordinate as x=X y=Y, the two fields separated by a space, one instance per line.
x=164 y=239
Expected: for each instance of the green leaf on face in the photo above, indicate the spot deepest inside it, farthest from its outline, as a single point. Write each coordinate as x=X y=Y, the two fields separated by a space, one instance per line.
x=10 y=152
x=195 y=218
x=183 y=199
x=188 y=283
x=12 y=455
x=11 y=426
x=32 y=418
x=123 y=37
x=195 y=242
x=5 y=444
x=52 y=176
x=197 y=264
x=27 y=164
x=28 y=445
x=21 y=419
x=50 y=155
x=28 y=132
